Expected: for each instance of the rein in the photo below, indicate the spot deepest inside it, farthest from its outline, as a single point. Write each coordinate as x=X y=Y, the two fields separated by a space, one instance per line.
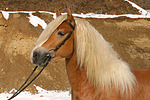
x=26 y=83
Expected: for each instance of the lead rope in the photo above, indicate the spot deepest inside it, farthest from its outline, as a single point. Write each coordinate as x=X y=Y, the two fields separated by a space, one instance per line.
x=26 y=85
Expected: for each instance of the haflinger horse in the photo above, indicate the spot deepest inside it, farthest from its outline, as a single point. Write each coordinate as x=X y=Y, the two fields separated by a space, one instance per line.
x=94 y=69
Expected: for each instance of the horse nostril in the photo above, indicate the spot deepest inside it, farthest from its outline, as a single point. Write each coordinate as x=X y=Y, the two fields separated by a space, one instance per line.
x=35 y=56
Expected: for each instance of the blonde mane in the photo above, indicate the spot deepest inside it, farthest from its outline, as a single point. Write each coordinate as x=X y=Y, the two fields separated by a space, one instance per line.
x=51 y=27
x=101 y=62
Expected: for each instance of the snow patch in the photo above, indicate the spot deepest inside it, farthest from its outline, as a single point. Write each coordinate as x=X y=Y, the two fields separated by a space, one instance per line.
x=5 y=14
x=42 y=95
x=92 y=15
x=35 y=21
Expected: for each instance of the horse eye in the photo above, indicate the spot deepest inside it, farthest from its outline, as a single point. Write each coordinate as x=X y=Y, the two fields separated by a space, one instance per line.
x=61 y=33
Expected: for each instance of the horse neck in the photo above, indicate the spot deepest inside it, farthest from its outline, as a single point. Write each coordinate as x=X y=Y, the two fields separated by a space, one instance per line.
x=76 y=75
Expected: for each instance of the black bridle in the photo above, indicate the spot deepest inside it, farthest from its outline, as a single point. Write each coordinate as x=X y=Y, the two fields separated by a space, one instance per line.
x=25 y=84
x=68 y=36
x=53 y=51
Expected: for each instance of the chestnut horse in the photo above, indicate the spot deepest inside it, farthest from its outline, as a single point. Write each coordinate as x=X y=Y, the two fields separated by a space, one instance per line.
x=94 y=69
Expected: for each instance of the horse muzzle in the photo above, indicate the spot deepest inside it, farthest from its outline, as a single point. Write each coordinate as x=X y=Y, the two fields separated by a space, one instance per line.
x=41 y=57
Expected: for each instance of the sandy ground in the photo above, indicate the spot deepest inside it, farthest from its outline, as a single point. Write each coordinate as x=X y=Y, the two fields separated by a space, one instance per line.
x=130 y=38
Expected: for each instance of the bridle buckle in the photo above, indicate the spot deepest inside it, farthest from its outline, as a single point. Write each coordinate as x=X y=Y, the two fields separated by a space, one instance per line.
x=52 y=52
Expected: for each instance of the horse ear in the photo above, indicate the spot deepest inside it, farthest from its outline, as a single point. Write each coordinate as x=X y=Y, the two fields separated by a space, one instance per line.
x=69 y=15
x=58 y=13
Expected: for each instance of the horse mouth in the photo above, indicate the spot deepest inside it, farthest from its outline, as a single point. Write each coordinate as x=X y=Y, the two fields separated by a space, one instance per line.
x=42 y=61
x=45 y=61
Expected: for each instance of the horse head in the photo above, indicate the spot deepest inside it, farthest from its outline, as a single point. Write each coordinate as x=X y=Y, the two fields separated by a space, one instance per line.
x=56 y=41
